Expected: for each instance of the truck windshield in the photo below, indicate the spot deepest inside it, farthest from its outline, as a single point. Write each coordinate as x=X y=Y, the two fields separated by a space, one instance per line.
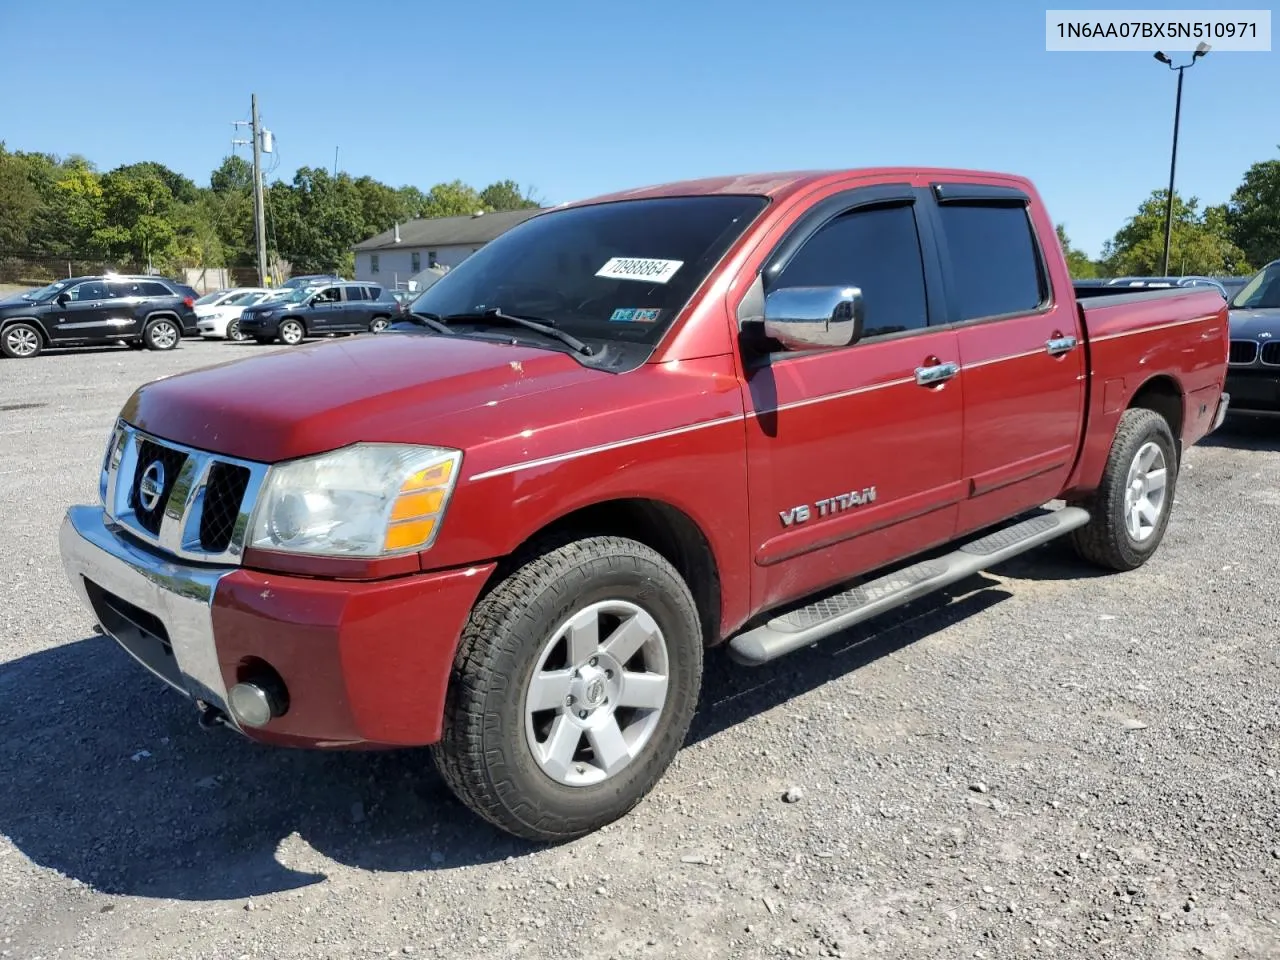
x=608 y=271
x=1262 y=292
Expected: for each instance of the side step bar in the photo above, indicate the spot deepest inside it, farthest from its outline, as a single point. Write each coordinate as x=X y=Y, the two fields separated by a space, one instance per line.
x=806 y=626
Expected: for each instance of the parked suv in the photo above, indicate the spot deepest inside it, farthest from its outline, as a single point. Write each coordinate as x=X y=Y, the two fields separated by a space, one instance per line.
x=85 y=311
x=339 y=308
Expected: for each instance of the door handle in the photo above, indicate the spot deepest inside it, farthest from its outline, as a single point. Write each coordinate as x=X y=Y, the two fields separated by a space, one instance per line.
x=1057 y=345
x=936 y=373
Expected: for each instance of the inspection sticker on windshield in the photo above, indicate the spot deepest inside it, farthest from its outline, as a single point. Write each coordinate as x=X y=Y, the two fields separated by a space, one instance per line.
x=635 y=315
x=640 y=268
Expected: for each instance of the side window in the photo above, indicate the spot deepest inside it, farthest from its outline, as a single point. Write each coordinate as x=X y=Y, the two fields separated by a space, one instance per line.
x=876 y=249
x=328 y=295
x=354 y=293
x=373 y=293
x=373 y=263
x=122 y=288
x=152 y=289
x=89 y=290
x=415 y=261
x=994 y=265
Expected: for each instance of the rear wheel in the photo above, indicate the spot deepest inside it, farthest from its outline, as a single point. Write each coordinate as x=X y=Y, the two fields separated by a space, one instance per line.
x=1130 y=510
x=291 y=332
x=573 y=688
x=21 y=341
x=161 y=334
x=379 y=324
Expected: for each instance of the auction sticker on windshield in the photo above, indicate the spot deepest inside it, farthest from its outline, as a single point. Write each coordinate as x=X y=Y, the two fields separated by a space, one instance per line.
x=635 y=315
x=640 y=268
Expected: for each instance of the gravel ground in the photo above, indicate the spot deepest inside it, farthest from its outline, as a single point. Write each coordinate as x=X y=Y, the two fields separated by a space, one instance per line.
x=1045 y=762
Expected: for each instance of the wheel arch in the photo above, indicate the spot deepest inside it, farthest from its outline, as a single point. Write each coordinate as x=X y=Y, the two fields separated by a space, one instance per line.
x=1163 y=394
x=162 y=315
x=658 y=525
x=33 y=321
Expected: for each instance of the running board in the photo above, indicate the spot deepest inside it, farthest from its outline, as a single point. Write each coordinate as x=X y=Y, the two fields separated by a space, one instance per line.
x=806 y=626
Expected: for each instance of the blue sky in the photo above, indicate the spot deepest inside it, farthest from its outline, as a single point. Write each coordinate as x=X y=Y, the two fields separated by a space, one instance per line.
x=581 y=98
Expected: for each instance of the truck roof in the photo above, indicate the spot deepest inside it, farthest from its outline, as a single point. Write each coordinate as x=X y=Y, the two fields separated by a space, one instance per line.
x=779 y=185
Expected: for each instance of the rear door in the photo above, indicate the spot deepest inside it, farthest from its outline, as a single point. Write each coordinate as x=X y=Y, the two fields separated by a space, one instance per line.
x=1021 y=352
x=355 y=308
x=83 y=316
x=853 y=455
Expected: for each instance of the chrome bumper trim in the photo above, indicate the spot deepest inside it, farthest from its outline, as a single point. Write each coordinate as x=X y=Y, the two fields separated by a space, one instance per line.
x=1224 y=402
x=180 y=596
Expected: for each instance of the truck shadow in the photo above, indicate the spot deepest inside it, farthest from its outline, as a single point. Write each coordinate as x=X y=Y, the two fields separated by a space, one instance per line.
x=110 y=781
x=1241 y=432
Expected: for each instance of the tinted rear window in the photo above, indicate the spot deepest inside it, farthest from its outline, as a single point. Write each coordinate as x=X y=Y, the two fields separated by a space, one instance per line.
x=354 y=292
x=993 y=258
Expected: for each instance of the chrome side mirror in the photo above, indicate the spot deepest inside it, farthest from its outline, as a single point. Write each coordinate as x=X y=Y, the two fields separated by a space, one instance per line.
x=808 y=318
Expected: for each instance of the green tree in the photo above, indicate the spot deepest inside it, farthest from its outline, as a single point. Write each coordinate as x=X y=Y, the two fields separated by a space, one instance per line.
x=1253 y=214
x=453 y=199
x=1198 y=244
x=138 y=214
x=1078 y=263
x=20 y=201
x=507 y=195
x=318 y=219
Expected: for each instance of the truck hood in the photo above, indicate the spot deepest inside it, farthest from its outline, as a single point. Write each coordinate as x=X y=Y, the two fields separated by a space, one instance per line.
x=1250 y=323
x=394 y=388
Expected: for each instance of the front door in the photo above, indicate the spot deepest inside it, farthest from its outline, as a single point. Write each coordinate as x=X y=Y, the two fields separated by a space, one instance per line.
x=84 y=314
x=1022 y=354
x=325 y=313
x=853 y=461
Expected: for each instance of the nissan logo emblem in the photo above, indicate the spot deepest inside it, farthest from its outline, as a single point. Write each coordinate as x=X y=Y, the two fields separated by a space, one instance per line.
x=151 y=486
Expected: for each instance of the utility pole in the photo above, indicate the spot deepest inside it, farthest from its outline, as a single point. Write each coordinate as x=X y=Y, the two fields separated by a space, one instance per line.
x=259 y=206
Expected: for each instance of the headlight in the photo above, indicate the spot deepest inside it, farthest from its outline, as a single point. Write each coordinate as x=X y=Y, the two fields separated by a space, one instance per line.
x=366 y=500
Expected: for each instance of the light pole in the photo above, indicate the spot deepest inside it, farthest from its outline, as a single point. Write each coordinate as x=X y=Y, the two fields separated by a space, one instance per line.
x=1201 y=50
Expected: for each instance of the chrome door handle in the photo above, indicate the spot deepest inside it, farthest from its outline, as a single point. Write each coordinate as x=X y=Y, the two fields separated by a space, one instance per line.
x=939 y=372
x=1059 y=345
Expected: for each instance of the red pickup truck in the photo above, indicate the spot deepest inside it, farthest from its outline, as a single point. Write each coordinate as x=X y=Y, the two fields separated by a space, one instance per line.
x=748 y=411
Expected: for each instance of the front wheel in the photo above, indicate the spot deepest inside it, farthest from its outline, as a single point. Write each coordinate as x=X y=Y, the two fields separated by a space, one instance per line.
x=573 y=688
x=1130 y=510
x=291 y=332
x=161 y=334
x=20 y=341
x=233 y=332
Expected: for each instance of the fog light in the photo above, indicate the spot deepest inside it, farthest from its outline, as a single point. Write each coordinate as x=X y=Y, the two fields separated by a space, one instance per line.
x=250 y=704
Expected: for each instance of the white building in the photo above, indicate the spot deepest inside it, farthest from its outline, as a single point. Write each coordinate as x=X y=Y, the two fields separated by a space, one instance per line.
x=395 y=255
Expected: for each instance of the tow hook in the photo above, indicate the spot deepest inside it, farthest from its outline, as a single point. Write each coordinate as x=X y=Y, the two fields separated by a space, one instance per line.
x=209 y=716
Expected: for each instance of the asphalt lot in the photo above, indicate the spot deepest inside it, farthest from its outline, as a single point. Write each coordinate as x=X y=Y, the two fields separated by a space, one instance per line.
x=1045 y=762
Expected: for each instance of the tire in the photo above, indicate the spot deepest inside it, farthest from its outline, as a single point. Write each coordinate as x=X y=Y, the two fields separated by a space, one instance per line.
x=1121 y=534
x=379 y=324
x=21 y=341
x=291 y=332
x=233 y=332
x=161 y=334
x=264 y=340
x=497 y=758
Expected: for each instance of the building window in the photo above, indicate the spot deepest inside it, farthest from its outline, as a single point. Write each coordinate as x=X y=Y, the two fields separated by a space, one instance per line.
x=416 y=259
x=431 y=258
x=373 y=263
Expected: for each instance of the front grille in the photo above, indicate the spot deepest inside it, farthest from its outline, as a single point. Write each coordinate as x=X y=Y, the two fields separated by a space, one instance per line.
x=222 y=498
x=1242 y=351
x=202 y=503
x=1271 y=354
x=171 y=462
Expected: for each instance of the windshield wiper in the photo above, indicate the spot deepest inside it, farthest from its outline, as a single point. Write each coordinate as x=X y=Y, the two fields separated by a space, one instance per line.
x=430 y=320
x=544 y=327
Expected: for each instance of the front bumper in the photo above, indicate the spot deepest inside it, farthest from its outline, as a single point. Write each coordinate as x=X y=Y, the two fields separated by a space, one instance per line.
x=1254 y=390
x=260 y=326
x=211 y=328
x=364 y=663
